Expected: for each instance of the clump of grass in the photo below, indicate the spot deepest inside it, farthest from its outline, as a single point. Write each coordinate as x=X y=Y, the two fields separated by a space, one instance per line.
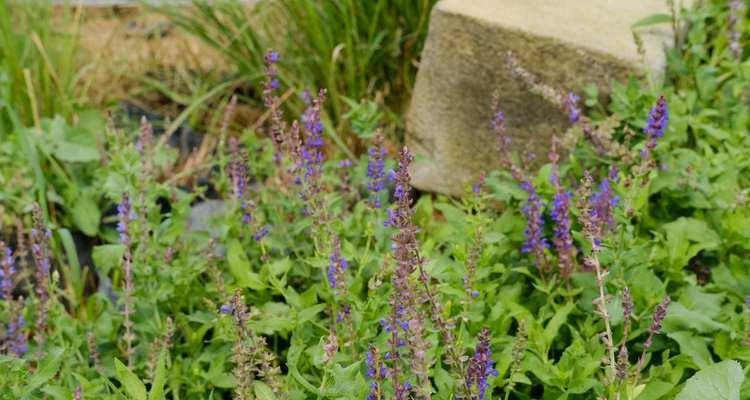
x=356 y=49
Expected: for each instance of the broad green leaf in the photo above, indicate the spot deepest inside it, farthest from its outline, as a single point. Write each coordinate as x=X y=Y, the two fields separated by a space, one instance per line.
x=655 y=390
x=240 y=268
x=693 y=346
x=47 y=369
x=75 y=152
x=554 y=324
x=86 y=215
x=107 y=256
x=721 y=381
x=263 y=391
x=130 y=382
x=160 y=378
x=680 y=318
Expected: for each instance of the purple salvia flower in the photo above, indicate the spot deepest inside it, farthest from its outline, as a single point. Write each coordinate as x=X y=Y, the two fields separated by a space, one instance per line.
x=376 y=170
x=735 y=29
x=571 y=106
x=40 y=250
x=560 y=214
x=125 y=216
x=614 y=174
x=656 y=124
x=337 y=264
x=239 y=175
x=312 y=151
x=271 y=101
x=656 y=322
x=603 y=204
x=145 y=137
x=563 y=240
x=8 y=270
x=376 y=373
x=481 y=367
x=18 y=343
x=502 y=140
x=535 y=242
x=226 y=309
x=404 y=301
x=261 y=233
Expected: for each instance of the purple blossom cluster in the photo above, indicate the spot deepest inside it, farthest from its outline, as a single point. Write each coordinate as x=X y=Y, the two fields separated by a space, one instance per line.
x=656 y=324
x=404 y=299
x=603 y=203
x=337 y=264
x=376 y=373
x=40 y=250
x=312 y=151
x=658 y=118
x=376 y=170
x=735 y=28
x=15 y=335
x=126 y=215
x=18 y=343
x=502 y=140
x=239 y=175
x=261 y=233
x=535 y=242
x=271 y=101
x=7 y=271
x=571 y=107
x=563 y=241
x=481 y=366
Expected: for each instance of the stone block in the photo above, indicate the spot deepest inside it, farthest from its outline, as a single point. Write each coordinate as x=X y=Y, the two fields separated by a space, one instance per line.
x=565 y=44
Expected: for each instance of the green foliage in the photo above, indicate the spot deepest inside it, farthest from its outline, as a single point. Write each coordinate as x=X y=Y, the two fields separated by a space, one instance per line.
x=218 y=311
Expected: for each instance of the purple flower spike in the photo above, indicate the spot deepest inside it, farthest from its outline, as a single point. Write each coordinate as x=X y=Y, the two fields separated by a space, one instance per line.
x=658 y=118
x=261 y=233
x=481 y=366
x=18 y=344
x=376 y=170
x=535 y=242
x=571 y=106
x=8 y=270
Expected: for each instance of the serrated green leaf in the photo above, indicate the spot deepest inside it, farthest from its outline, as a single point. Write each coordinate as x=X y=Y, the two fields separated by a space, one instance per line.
x=107 y=256
x=46 y=370
x=721 y=381
x=160 y=378
x=240 y=268
x=130 y=382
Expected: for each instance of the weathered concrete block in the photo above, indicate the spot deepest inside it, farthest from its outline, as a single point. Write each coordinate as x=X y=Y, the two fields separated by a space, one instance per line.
x=565 y=44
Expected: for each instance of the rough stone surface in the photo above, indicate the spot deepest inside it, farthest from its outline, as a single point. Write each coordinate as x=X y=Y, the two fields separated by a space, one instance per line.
x=565 y=44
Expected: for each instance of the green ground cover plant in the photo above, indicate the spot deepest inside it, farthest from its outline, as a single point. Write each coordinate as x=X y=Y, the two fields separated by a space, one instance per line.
x=618 y=270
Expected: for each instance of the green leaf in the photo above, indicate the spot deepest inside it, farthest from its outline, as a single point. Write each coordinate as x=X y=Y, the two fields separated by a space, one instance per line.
x=680 y=318
x=46 y=370
x=655 y=390
x=75 y=152
x=692 y=346
x=130 y=382
x=263 y=391
x=652 y=20
x=107 y=256
x=554 y=324
x=86 y=215
x=239 y=267
x=160 y=377
x=721 y=381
